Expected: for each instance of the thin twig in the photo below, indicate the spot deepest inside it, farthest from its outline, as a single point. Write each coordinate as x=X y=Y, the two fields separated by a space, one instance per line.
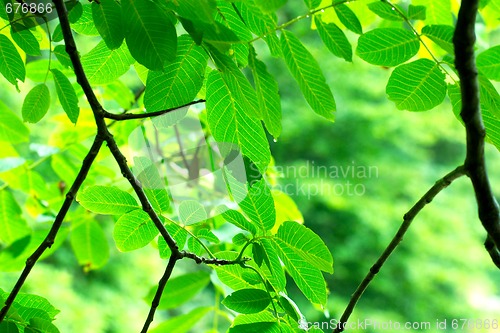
x=51 y=236
x=128 y=116
x=407 y=220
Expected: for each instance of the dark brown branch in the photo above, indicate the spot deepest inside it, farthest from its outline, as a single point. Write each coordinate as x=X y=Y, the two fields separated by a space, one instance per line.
x=463 y=41
x=212 y=261
x=128 y=116
x=407 y=220
x=51 y=236
x=161 y=286
x=492 y=251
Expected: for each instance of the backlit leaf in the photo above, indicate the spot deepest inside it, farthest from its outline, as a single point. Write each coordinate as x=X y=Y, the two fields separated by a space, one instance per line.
x=13 y=226
x=417 y=86
x=134 y=230
x=437 y=12
x=180 y=81
x=306 y=244
x=11 y=64
x=103 y=65
x=66 y=94
x=25 y=39
x=387 y=46
x=107 y=15
x=258 y=205
x=191 y=212
x=106 y=200
x=488 y=62
x=440 y=34
x=308 y=75
x=150 y=35
x=229 y=122
x=236 y=218
x=348 y=18
x=385 y=10
x=36 y=104
x=182 y=323
x=334 y=39
x=268 y=96
x=247 y=300
x=153 y=186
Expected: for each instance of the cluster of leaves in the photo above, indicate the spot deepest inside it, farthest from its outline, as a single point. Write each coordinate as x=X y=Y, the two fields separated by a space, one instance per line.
x=181 y=51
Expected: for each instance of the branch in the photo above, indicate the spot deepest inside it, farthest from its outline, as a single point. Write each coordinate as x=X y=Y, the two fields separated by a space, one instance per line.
x=127 y=116
x=161 y=286
x=463 y=41
x=212 y=261
x=51 y=236
x=407 y=220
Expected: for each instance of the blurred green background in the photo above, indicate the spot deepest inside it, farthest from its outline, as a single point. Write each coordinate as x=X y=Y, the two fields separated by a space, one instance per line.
x=440 y=271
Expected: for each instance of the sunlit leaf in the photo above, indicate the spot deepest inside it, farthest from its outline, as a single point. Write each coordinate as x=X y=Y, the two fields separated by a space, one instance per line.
x=25 y=39
x=134 y=230
x=258 y=205
x=36 y=104
x=12 y=128
x=66 y=94
x=488 y=62
x=437 y=12
x=182 y=323
x=150 y=35
x=308 y=74
x=11 y=64
x=348 y=18
x=106 y=200
x=191 y=212
x=334 y=39
x=236 y=218
x=417 y=86
x=247 y=300
x=107 y=15
x=387 y=46
x=386 y=11
x=13 y=226
x=442 y=35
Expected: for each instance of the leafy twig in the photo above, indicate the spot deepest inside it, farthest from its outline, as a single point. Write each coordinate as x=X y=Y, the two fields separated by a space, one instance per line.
x=463 y=40
x=407 y=220
x=51 y=236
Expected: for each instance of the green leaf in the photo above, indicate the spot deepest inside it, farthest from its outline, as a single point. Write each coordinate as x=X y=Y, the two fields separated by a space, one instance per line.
x=8 y=327
x=228 y=119
x=40 y=325
x=106 y=200
x=262 y=327
x=178 y=233
x=12 y=224
x=32 y=302
x=36 y=104
x=181 y=289
x=25 y=39
x=307 y=277
x=387 y=46
x=273 y=270
x=258 y=205
x=180 y=81
x=90 y=245
x=153 y=186
x=11 y=64
x=488 y=62
x=62 y=56
x=84 y=23
x=12 y=128
x=348 y=18
x=182 y=323
x=236 y=218
x=37 y=70
x=150 y=35
x=247 y=300
x=416 y=12
x=103 y=65
x=312 y=4
x=385 y=11
x=417 y=86
x=67 y=95
x=191 y=212
x=270 y=5
x=437 y=12
x=134 y=230
x=334 y=39
x=308 y=75
x=208 y=235
x=306 y=244
x=232 y=275
x=442 y=35
x=194 y=246
x=268 y=96
x=195 y=10
x=107 y=17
